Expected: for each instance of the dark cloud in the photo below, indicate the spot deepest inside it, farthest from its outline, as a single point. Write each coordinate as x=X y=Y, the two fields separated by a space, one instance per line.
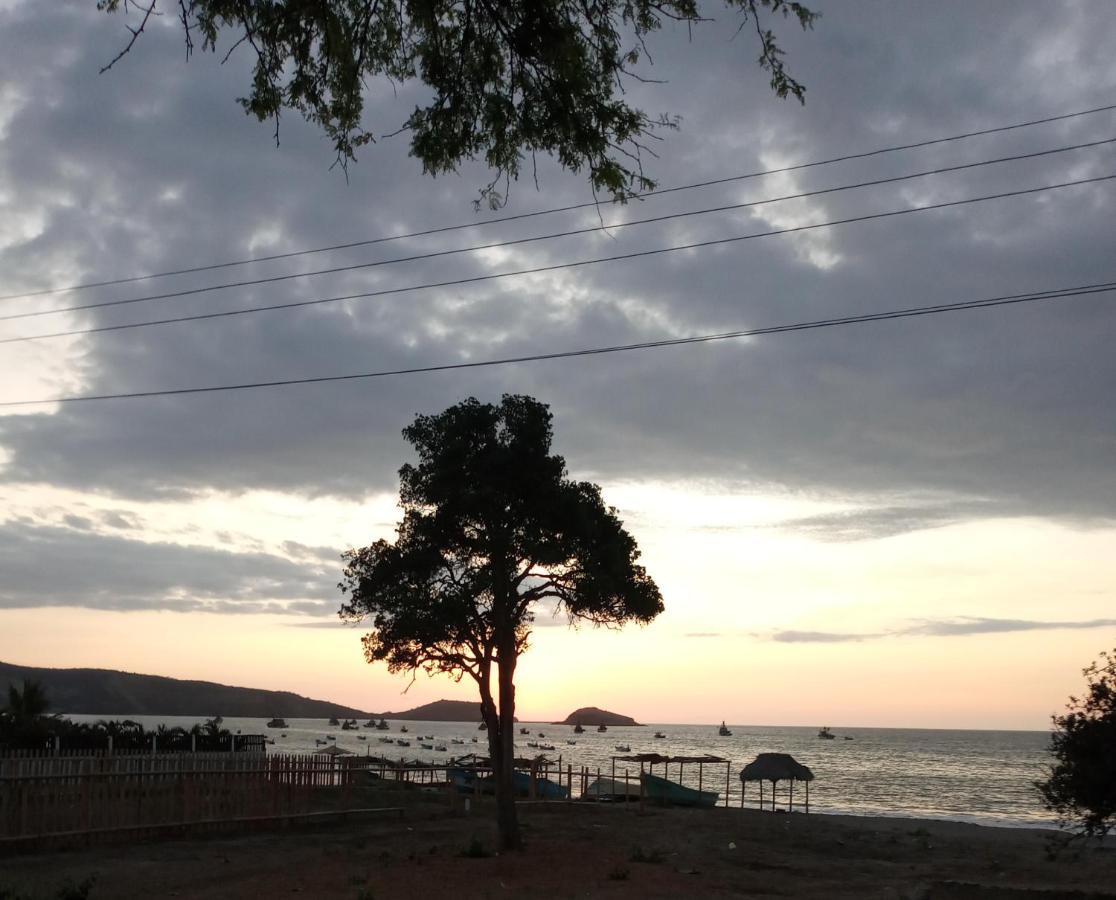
x=959 y=627
x=152 y=166
x=51 y=566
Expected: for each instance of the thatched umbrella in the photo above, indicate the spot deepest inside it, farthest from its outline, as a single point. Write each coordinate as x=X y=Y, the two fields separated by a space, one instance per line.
x=775 y=767
x=333 y=750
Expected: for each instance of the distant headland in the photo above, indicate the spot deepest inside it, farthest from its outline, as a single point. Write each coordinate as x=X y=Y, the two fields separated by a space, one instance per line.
x=592 y=715
x=108 y=692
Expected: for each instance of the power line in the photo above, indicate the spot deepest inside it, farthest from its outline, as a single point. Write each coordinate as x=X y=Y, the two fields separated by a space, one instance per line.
x=551 y=268
x=554 y=235
x=561 y=209
x=910 y=312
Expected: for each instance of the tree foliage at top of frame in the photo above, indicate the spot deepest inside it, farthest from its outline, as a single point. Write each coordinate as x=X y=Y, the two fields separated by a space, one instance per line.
x=509 y=79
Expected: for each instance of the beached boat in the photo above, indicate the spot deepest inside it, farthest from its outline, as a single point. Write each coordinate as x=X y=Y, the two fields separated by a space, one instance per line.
x=610 y=790
x=671 y=793
x=277 y=723
x=723 y=730
x=467 y=782
x=825 y=734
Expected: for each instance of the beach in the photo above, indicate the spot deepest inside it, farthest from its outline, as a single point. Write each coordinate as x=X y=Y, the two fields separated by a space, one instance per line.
x=582 y=850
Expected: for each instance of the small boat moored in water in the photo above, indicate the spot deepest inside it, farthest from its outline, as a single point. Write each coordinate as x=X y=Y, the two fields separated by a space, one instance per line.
x=277 y=723
x=825 y=734
x=723 y=730
x=659 y=734
x=624 y=748
x=601 y=727
x=671 y=793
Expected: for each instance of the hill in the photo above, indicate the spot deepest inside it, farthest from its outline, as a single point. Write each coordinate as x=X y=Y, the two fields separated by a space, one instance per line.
x=592 y=715
x=441 y=711
x=111 y=693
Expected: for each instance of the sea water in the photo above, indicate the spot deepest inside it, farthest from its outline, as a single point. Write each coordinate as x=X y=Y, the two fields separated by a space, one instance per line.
x=985 y=777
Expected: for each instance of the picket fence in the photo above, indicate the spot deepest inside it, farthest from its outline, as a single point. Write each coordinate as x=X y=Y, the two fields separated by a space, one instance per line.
x=43 y=796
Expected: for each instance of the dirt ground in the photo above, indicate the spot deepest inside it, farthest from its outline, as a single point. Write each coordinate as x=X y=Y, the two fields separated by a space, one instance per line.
x=580 y=850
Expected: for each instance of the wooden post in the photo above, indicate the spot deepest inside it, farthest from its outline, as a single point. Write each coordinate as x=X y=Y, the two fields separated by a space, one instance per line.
x=790 y=797
x=743 y=784
x=728 y=782
x=807 y=797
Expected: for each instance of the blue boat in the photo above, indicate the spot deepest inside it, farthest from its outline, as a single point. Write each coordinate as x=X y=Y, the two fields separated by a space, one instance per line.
x=671 y=793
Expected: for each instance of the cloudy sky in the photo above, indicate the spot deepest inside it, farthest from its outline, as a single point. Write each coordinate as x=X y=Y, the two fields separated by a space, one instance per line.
x=908 y=522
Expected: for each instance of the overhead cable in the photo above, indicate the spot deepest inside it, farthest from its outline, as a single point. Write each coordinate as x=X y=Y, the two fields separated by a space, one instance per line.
x=561 y=209
x=636 y=254
x=436 y=254
x=910 y=312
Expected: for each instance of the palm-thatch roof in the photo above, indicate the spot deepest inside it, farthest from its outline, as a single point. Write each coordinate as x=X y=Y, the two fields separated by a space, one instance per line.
x=333 y=750
x=776 y=767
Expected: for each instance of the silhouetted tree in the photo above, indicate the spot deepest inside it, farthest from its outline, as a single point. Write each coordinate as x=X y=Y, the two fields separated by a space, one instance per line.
x=507 y=77
x=491 y=528
x=1081 y=788
x=26 y=704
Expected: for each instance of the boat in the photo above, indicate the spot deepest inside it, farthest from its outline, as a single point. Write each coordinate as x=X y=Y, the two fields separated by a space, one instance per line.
x=541 y=734
x=624 y=748
x=333 y=720
x=467 y=782
x=723 y=730
x=386 y=740
x=456 y=741
x=825 y=734
x=277 y=723
x=547 y=747
x=659 y=734
x=330 y=737
x=382 y=725
x=482 y=727
x=610 y=790
x=524 y=730
x=474 y=740
x=602 y=727
x=572 y=743
x=426 y=746
x=671 y=793
x=361 y=737
x=371 y=723
x=440 y=748
x=403 y=729
x=403 y=743
x=349 y=725
x=319 y=742
x=578 y=729
x=534 y=744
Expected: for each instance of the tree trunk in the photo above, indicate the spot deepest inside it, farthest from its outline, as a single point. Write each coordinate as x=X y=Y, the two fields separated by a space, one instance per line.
x=506 y=818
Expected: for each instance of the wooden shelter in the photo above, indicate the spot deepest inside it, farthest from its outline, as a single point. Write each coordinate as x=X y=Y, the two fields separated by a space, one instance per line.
x=650 y=760
x=776 y=767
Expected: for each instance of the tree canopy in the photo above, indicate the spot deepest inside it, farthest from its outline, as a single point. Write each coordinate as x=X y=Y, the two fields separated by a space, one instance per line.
x=492 y=530
x=1081 y=788
x=508 y=79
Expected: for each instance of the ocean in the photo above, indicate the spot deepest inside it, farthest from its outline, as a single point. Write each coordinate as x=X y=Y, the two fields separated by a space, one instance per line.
x=984 y=777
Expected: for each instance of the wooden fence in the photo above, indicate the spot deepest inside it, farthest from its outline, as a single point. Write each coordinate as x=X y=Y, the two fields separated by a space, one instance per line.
x=69 y=794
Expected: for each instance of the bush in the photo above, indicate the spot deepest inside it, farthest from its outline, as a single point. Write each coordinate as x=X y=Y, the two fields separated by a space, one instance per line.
x=1081 y=788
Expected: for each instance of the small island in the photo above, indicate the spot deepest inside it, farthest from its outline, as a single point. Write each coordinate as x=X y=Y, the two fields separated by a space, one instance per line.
x=593 y=715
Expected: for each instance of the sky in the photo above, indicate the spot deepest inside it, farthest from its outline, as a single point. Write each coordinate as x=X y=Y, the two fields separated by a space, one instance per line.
x=905 y=523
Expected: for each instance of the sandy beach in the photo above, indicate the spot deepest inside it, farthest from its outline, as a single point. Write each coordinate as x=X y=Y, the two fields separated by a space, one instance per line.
x=582 y=850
